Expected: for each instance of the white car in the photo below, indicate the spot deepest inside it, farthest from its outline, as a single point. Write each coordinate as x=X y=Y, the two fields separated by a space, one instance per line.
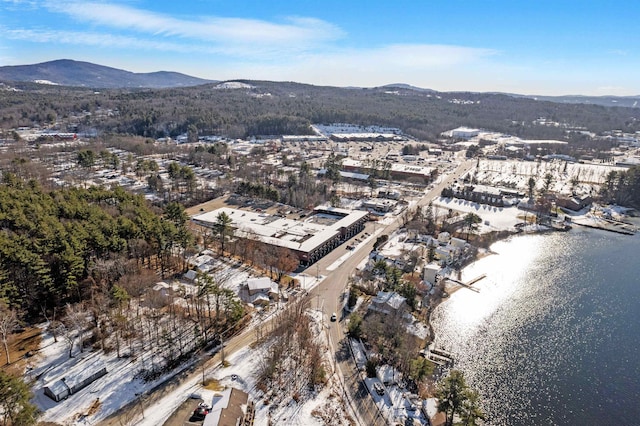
x=334 y=317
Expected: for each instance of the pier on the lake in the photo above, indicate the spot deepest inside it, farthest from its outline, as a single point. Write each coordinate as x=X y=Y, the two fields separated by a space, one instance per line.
x=470 y=283
x=606 y=224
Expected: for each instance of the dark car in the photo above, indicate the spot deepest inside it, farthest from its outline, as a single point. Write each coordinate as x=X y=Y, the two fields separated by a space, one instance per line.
x=200 y=413
x=378 y=388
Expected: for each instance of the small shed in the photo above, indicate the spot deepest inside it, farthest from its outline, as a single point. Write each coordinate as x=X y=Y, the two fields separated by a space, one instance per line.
x=57 y=390
x=74 y=381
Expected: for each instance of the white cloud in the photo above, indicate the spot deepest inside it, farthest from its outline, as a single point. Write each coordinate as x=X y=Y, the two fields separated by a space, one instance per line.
x=619 y=52
x=296 y=32
x=93 y=39
x=420 y=64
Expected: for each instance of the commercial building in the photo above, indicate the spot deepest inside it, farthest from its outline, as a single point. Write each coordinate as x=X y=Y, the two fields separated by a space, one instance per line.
x=310 y=238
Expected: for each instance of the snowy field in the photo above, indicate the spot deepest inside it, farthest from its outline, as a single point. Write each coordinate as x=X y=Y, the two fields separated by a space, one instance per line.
x=515 y=174
x=493 y=218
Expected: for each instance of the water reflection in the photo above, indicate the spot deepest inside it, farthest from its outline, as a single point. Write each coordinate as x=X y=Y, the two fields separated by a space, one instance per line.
x=553 y=325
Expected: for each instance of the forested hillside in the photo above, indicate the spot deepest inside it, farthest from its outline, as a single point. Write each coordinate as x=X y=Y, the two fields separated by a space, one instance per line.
x=66 y=245
x=271 y=108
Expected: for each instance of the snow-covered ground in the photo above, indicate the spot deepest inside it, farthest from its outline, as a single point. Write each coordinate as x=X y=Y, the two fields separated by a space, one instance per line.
x=515 y=174
x=493 y=218
x=114 y=390
x=120 y=386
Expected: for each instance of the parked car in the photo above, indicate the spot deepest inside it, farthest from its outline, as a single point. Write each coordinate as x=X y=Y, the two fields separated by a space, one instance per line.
x=378 y=388
x=334 y=317
x=200 y=412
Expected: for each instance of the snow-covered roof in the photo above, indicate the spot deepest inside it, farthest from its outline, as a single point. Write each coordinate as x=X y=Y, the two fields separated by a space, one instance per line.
x=161 y=286
x=261 y=283
x=227 y=408
x=387 y=374
x=388 y=298
x=303 y=236
x=73 y=376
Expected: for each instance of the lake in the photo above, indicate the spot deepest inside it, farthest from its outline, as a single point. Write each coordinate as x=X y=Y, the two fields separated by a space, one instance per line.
x=553 y=337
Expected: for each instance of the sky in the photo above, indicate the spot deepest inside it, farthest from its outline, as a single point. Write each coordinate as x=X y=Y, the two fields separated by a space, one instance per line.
x=541 y=47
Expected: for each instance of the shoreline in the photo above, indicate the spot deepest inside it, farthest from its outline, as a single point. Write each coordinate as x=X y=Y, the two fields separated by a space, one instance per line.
x=474 y=352
x=441 y=294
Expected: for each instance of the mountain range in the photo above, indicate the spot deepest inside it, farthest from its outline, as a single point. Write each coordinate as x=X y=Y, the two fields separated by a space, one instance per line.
x=67 y=72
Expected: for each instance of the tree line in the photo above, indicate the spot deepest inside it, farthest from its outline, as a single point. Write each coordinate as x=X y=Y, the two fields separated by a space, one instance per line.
x=54 y=242
x=290 y=108
x=622 y=187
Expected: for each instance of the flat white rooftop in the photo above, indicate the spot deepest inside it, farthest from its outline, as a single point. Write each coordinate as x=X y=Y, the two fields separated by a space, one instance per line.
x=300 y=235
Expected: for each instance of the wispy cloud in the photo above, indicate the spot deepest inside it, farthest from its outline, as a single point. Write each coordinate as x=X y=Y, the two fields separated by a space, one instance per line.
x=93 y=39
x=409 y=63
x=296 y=32
x=295 y=48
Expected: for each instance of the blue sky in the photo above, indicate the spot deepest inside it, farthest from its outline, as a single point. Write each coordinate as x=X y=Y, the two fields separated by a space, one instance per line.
x=589 y=47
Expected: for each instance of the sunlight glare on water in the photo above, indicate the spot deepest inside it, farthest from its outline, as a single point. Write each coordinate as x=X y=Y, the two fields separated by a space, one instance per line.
x=552 y=336
x=504 y=269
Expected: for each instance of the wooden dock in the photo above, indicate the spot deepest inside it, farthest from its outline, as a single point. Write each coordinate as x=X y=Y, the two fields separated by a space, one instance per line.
x=606 y=225
x=439 y=357
x=470 y=283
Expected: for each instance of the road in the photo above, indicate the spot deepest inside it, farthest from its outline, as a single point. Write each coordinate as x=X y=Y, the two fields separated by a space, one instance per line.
x=327 y=296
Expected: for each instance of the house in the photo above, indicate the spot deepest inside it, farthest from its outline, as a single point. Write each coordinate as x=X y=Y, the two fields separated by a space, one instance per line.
x=190 y=275
x=75 y=380
x=458 y=243
x=230 y=408
x=200 y=260
x=430 y=273
x=259 y=299
x=446 y=253
x=388 y=302
x=574 y=203
x=264 y=286
x=388 y=375
x=260 y=291
x=444 y=237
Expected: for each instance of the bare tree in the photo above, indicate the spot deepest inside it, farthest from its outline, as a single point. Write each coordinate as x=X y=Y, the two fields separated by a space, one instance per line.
x=69 y=336
x=8 y=321
x=76 y=320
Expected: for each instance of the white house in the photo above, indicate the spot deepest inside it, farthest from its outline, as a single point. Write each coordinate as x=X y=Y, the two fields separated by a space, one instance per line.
x=430 y=272
x=264 y=287
x=458 y=243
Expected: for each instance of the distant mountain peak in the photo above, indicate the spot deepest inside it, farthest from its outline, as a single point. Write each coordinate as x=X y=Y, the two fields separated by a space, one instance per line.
x=69 y=72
